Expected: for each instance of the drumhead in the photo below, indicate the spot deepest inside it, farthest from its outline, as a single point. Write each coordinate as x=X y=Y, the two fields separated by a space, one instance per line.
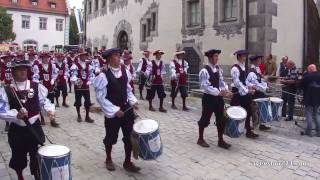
x=236 y=113
x=261 y=100
x=276 y=100
x=145 y=126
x=53 y=150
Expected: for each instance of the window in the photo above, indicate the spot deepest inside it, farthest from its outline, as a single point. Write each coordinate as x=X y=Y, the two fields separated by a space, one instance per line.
x=144 y=32
x=14 y=1
x=53 y=5
x=154 y=21
x=25 y=22
x=148 y=27
x=103 y=3
x=96 y=5
x=194 y=11
x=89 y=7
x=34 y=2
x=59 y=24
x=42 y=23
x=230 y=10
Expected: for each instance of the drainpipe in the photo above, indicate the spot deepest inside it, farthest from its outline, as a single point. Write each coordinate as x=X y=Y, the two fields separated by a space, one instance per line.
x=305 y=33
x=247 y=29
x=84 y=38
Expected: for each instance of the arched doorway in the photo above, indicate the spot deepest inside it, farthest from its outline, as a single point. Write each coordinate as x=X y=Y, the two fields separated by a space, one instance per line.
x=194 y=61
x=122 y=41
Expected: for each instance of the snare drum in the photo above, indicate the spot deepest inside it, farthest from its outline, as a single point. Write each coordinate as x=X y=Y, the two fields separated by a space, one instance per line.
x=264 y=107
x=236 y=121
x=148 y=139
x=54 y=162
x=276 y=106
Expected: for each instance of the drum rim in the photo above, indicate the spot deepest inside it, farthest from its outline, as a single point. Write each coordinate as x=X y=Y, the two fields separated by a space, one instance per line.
x=277 y=99
x=260 y=99
x=238 y=119
x=67 y=154
x=146 y=132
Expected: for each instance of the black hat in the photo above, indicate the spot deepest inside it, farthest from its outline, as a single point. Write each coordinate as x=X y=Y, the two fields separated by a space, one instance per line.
x=254 y=58
x=109 y=52
x=20 y=63
x=241 y=52
x=211 y=52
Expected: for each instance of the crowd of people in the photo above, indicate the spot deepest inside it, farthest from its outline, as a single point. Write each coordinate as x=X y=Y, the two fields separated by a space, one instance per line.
x=32 y=83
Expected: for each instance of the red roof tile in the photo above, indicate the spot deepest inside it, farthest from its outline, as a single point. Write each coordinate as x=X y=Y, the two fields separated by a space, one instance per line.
x=43 y=6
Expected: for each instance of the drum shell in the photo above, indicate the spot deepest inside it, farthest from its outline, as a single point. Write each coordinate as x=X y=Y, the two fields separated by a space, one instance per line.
x=234 y=128
x=264 y=107
x=276 y=110
x=145 y=151
x=48 y=163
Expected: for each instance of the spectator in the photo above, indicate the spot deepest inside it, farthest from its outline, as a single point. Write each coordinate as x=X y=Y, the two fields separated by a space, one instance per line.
x=270 y=66
x=310 y=84
x=283 y=70
x=262 y=66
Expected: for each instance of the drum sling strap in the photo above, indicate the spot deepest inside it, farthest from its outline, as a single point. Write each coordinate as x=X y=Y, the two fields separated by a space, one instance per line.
x=13 y=98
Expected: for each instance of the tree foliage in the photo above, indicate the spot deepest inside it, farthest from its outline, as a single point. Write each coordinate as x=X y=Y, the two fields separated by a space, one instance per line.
x=73 y=32
x=6 y=26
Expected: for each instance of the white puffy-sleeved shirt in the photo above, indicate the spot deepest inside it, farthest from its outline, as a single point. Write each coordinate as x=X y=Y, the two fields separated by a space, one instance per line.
x=172 y=67
x=10 y=115
x=133 y=74
x=205 y=83
x=100 y=84
x=235 y=74
x=149 y=68
x=36 y=73
x=252 y=80
x=74 y=71
x=66 y=69
x=141 y=63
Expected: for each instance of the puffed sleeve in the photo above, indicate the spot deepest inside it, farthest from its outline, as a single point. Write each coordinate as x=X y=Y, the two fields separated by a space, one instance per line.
x=173 y=70
x=235 y=74
x=6 y=114
x=222 y=84
x=45 y=103
x=131 y=98
x=206 y=85
x=140 y=66
x=36 y=76
x=100 y=84
x=74 y=73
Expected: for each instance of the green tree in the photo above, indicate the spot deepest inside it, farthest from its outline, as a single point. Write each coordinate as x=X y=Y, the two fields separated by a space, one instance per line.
x=6 y=26
x=73 y=32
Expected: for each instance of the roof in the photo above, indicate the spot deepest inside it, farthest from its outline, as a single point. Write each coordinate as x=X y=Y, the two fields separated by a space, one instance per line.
x=42 y=6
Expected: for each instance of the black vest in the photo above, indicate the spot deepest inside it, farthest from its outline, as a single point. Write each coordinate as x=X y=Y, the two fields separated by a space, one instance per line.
x=257 y=74
x=117 y=88
x=243 y=74
x=214 y=77
x=283 y=70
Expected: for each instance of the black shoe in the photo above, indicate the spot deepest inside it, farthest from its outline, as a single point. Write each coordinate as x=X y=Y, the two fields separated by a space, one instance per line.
x=185 y=109
x=152 y=109
x=130 y=167
x=263 y=127
x=54 y=124
x=224 y=145
x=289 y=119
x=174 y=106
x=161 y=109
x=79 y=119
x=251 y=135
x=65 y=105
x=110 y=166
x=203 y=143
x=89 y=120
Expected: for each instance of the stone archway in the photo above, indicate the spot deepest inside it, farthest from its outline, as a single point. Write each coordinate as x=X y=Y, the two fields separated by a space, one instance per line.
x=123 y=34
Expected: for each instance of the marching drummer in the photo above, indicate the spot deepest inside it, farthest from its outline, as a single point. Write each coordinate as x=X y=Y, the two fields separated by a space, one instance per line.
x=255 y=81
x=155 y=72
x=82 y=74
x=211 y=80
x=114 y=94
x=61 y=82
x=179 y=68
x=32 y=97
x=142 y=71
x=242 y=93
x=127 y=58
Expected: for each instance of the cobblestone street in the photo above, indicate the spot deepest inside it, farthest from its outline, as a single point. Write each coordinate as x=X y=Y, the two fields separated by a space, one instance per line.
x=292 y=156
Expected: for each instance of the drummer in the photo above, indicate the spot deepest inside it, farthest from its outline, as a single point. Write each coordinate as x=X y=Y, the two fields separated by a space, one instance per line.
x=211 y=80
x=33 y=97
x=242 y=93
x=255 y=81
x=114 y=94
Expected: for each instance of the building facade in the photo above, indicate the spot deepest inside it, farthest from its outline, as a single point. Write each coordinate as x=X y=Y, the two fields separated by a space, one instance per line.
x=261 y=26
x=39 y=24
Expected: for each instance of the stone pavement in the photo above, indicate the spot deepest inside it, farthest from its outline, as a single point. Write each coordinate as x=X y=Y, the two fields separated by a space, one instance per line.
x=278 y=154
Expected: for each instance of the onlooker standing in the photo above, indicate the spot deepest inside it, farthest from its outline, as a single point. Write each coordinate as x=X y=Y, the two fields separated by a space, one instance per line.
x=262 y=66
x=270 y=66
x=310 y=84
x=283 y=70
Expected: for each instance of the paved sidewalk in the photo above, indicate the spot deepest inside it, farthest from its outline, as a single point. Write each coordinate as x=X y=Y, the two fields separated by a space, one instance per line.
x=279 y=154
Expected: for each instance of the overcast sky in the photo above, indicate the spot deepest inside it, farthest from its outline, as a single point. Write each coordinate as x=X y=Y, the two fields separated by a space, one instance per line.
x=76 y=3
